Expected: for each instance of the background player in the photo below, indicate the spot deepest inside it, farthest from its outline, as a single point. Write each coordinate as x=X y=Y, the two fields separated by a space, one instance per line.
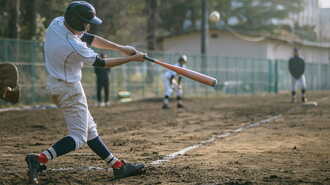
x=297 y=70
x=66 y=50
x=102 y=83
x=173 y=82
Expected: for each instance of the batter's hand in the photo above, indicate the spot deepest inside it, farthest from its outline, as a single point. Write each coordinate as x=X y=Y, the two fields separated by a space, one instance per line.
x=129 y=50
x=138 y=56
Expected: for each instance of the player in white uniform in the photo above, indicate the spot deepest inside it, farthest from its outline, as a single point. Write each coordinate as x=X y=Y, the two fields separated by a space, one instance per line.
x=66 y=51
x=173 y=82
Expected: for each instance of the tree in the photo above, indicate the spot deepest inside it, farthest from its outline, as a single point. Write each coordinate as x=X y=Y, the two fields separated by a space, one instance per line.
x=13 y=18
x=176 y=14
x=250 y=16
x=256 y=16
x=29 y=19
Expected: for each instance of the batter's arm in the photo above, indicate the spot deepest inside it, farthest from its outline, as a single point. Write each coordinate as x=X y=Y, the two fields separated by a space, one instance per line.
x=112 y=62
x=102 y=43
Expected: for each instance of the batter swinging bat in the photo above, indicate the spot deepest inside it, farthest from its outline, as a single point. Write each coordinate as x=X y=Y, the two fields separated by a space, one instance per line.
x=186 y=72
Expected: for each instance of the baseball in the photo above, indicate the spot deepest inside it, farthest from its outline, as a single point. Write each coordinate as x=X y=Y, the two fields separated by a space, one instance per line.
x=214 y=16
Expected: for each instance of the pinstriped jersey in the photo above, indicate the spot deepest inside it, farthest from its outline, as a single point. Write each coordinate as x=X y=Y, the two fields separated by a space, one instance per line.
x=169 y=73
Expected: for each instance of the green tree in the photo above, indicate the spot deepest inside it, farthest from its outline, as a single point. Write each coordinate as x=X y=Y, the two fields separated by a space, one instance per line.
x=13 y=13
x=248 y=16
x=174 y=14
x=259 y=16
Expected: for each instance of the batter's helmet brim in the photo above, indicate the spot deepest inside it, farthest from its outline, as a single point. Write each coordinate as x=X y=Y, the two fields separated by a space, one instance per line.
x=95 y=20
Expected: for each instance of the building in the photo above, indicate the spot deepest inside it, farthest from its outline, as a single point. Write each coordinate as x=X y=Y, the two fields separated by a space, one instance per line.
x=231 y=44
x=325 y=24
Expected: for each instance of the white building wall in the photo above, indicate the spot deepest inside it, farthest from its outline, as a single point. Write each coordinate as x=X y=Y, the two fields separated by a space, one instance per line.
x=283 y=50
x=224 y=45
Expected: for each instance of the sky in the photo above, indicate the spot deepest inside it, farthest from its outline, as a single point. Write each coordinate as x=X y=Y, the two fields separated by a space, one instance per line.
x=325 y=3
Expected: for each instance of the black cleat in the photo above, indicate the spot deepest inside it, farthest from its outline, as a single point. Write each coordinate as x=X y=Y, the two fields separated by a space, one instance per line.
x=180 y=105
x=128 y=169
x=165 y=106
x=34 y=168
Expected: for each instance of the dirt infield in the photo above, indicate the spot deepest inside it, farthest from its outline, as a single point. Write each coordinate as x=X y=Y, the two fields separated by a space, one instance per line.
x=293 y=149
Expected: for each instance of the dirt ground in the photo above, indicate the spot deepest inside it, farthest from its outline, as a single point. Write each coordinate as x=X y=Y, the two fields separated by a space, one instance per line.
x=293 y=149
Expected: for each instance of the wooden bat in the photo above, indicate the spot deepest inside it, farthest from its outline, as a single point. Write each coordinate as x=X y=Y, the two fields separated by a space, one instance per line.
x=186 y=72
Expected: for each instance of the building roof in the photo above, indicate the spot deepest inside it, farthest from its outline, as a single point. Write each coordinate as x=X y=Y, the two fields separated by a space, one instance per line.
x=256 y=37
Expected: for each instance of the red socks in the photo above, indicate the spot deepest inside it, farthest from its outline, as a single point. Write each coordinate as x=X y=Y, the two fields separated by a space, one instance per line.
x=42 y=158
x=118 y=164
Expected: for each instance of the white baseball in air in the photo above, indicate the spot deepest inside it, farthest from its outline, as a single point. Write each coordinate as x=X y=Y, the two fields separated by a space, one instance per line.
x=214 y=16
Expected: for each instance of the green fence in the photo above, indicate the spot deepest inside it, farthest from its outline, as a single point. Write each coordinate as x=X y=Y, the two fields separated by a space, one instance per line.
x=235 y=75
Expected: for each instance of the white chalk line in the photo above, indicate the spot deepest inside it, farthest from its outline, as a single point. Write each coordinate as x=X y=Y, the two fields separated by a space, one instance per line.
x=211 y=140
x=184 y=150
x=33 y=107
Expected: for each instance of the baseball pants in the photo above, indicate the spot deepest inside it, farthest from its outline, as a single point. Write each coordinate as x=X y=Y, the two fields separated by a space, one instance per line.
x=168 y=88
x=71 y=98
x=301 y=83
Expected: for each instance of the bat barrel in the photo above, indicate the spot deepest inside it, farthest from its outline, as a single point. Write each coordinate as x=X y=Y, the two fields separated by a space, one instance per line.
x=186 y=72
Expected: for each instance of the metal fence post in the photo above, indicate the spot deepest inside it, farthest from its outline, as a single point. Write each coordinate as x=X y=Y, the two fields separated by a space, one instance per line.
x=33 y=70
x=276 y=77
x=270 y=74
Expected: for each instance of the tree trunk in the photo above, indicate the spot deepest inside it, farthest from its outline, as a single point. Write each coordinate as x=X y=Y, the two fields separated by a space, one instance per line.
x=13 y=22
x=29 y=16
x=151 y=33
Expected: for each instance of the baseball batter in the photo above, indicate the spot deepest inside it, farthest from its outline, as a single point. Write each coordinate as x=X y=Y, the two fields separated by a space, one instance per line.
x=173 y=82
x=297 y=70
x=66 y=50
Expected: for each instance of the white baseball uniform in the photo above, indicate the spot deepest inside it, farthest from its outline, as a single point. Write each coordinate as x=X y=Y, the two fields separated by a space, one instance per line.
x=65 y=55
x=301 y=82
x=168 y=87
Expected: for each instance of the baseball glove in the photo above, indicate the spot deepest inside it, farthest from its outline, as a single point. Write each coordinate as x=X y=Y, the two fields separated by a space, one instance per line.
x=9 y=89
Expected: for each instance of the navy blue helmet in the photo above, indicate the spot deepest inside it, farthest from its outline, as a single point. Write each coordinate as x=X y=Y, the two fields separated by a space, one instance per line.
x=80 y=13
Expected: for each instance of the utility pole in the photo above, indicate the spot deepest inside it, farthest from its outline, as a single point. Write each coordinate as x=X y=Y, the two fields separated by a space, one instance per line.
x=204 y=35
x=205 y=27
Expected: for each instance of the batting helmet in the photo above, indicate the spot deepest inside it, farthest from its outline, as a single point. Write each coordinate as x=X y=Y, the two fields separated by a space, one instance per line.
x=183 y=59
x=80 y=13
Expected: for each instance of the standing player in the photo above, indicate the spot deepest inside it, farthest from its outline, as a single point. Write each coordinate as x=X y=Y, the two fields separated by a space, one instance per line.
x=297 y=70
x=102 y=82
x=66 y=50
x=173 y=82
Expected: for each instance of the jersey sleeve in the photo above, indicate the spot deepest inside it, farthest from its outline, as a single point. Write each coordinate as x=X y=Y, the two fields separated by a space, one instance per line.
x=84 y=53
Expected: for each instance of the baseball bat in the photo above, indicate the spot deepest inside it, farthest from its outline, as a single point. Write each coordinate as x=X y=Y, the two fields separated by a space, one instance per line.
x=202 y=78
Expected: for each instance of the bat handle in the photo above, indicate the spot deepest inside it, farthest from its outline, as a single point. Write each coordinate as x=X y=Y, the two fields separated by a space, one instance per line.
x=149 y=58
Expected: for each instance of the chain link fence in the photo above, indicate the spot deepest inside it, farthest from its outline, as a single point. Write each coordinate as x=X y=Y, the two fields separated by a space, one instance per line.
x=145 y=80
